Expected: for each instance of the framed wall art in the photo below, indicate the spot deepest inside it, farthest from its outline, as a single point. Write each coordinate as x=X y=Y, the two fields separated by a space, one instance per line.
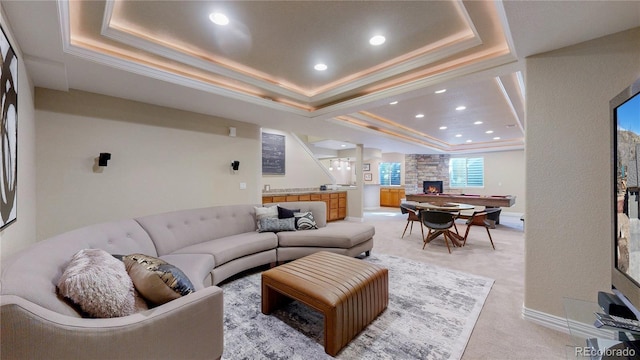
x=368 y=177
x=8 y=133
x=366 y=167
x=273 y=154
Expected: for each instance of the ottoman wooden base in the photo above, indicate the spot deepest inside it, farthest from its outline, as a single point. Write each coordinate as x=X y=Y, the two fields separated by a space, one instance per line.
x=350 y=293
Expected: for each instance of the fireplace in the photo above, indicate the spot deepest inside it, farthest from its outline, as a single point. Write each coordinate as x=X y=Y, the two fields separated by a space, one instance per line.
x=432 y=187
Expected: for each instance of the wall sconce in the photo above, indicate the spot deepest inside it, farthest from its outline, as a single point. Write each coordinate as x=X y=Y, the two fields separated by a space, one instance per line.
x=235 y=165
x=103 y=158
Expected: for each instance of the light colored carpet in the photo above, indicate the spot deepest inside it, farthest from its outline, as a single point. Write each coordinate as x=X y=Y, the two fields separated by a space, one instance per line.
x=431 y=314
x=500 y=332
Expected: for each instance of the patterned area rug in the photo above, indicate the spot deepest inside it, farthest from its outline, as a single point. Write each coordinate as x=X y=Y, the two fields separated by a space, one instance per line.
x=431 y=314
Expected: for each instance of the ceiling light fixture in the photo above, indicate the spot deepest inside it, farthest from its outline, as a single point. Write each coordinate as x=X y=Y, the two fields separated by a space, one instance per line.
x=377 y=40
x=496 y=138
x=420 y=116
x=458 y=135
x=219 y=18
x=443 y=128
x=460 y=108
x=477 y=123
x=393 y=102
x=469 y=140
x=320 y=67
x=489 y=132
x=440 y=91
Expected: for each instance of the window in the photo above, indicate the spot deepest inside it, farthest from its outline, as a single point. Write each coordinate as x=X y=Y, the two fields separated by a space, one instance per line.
x=466 y=172
x=389 y=173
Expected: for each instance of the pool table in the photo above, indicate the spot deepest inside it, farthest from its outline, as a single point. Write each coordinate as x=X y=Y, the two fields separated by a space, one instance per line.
x=478 y=200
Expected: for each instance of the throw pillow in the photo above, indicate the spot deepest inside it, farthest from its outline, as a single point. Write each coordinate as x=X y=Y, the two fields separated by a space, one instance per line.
x=286 y=213
x=265 y=212
x=156 y=280
x=98 y=283
x=305 y=221
x=275 y=225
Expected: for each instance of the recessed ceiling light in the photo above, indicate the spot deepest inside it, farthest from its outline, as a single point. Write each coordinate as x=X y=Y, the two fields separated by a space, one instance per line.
x=458 y=135
x=420 y=116
x=393 y=102
x=440 y=91
x=496 y=138
x=489 y=132
x=377 y=40
x=343 y=145
x=477 y=123
x=469 y=140
x=443 y=128
x=219 y=18
x=320 y=67
x=459 y=108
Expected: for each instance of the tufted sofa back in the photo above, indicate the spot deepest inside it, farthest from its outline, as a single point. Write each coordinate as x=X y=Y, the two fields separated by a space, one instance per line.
x=178 y=229
x=34 y=272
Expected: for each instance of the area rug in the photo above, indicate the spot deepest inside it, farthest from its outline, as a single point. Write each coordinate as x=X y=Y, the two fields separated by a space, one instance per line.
x=431 y=314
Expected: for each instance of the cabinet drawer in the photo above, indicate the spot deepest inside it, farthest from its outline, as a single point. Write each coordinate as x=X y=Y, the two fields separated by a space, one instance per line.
x=292 y=197
x=333 y=214
x=304 y=197
x=279 y=199
x=316 y=197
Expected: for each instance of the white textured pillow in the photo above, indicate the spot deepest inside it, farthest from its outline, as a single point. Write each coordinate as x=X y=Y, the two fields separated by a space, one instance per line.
x=265 y=212
x=99 y=284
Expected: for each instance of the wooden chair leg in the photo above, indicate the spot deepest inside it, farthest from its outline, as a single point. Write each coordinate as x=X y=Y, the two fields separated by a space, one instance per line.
x=411 y=228
x=405 y=229
x=466 y=233
x=446 y=241
x=425 y=239
x=422 y=229
x=490 y=239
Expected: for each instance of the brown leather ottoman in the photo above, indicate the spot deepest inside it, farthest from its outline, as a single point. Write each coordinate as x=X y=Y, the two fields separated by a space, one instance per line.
x=349 y=292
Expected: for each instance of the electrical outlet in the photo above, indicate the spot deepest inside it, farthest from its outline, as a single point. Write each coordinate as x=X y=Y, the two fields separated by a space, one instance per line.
x=243 y=186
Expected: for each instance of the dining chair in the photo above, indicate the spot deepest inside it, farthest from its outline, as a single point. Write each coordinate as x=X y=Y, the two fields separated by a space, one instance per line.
x=414 y=215
x=440 y=222
x=480 y=218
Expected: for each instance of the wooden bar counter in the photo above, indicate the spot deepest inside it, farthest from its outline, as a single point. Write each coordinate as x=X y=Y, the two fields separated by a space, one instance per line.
x=336 y=201
x=478 y=200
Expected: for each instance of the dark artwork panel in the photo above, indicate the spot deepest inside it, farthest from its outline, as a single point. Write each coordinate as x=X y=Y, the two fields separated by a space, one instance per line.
x=273 y=154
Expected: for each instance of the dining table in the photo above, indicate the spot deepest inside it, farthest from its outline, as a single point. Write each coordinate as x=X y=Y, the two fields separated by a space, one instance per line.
x=456 y=239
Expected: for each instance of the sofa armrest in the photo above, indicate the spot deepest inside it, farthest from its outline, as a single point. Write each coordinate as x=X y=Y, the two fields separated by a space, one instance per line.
x=190 y=327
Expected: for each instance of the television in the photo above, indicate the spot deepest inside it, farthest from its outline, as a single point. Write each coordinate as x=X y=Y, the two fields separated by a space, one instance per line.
x=625 y=274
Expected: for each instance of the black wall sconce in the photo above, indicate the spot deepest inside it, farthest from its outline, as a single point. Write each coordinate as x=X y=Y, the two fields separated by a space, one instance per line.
x=235 y=165
x=104 y=157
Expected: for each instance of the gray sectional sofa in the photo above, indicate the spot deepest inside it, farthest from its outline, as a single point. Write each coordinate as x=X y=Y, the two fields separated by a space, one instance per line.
x=209 y=245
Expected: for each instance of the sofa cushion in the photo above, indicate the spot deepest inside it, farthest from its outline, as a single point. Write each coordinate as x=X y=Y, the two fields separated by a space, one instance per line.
x=305 y=221
x=275 y=224
x=267 y=212
x=338 y=235
x=197 y=267
x=156 y=280
x=99 y=284
x=318 y=208
x=284 y=213
x=233 y=247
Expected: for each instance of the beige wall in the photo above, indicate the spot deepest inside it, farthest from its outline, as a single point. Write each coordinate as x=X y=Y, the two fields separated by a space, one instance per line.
x=504 y=174
x=568 y=160
x=162 y=160
x=22 y=233
x=301 y=168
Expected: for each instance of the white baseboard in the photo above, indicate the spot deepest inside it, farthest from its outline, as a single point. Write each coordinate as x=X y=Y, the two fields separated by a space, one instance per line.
x=547 y=320
x=354 y=219
x=578 y=329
